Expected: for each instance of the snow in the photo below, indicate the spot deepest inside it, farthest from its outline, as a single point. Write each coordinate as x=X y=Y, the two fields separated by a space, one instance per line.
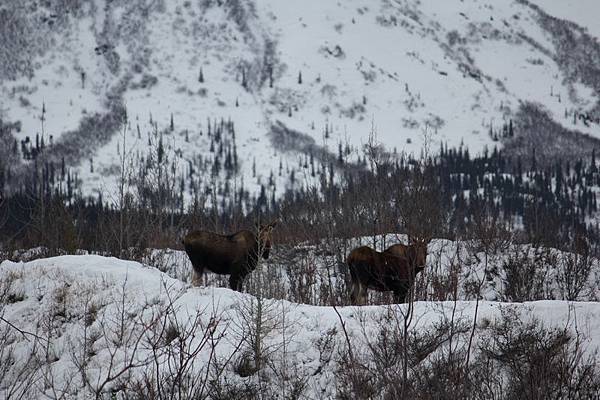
x=62 y=291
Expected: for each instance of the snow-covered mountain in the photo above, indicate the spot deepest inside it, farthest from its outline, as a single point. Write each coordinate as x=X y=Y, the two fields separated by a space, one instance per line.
x=286 y=78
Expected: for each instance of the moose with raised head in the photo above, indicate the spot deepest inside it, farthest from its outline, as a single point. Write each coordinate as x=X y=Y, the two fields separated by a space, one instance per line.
x=393 y=270
x=235 y=255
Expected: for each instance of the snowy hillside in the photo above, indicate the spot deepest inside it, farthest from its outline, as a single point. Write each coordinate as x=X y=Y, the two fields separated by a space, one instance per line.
x=284 y=78
x=96 y=327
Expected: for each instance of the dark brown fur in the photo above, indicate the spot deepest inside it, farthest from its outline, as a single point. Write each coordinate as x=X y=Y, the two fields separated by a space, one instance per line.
x=394 y=270
x=235 y=255
x=398 y=250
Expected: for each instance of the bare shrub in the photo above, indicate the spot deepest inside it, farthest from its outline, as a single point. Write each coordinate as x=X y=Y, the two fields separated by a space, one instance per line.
x=258 y=320
x=516 y=357
x=175 y=343
x=19 y=369
x=53 y=227
x=378 y=371
x=222 y=388
x=572 y=275
x=538 y=362
x=442 y=377
x=441 y=277
x=525 y=276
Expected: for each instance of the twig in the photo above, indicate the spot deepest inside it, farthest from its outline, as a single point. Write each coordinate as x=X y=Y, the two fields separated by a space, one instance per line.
x=24 y=333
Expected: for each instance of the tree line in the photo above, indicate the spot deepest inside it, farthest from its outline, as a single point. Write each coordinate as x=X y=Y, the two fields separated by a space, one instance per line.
x=443 y=194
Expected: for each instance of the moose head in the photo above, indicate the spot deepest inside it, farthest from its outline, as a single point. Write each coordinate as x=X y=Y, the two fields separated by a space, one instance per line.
x=417 y=250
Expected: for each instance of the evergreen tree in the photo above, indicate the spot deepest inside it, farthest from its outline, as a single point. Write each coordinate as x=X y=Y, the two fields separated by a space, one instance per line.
x=160 y=151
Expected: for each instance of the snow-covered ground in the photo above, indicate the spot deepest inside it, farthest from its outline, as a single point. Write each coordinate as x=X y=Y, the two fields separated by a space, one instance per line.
x=86 y=325
x=414 y=72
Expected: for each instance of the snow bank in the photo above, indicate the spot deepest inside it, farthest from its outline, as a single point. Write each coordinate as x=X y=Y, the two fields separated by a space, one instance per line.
x=92 y=324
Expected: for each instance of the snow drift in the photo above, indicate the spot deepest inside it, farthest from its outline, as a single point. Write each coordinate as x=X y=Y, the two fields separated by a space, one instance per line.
x=87 y=326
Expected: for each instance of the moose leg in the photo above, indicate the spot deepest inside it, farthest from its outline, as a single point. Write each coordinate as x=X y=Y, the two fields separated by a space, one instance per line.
x=363 y=293
x=355 y=293
x=235 y=282
x=358 y=295
x=400 y=295
x=196 y=277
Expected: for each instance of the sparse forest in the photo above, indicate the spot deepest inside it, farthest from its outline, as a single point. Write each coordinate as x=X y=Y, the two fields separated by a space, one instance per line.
x=551 y=204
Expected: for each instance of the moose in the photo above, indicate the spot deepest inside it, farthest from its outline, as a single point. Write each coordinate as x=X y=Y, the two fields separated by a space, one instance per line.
x=393 y=270
x=235 y=255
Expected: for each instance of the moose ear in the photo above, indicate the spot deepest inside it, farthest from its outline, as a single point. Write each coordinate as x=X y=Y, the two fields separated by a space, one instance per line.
x=273 y=223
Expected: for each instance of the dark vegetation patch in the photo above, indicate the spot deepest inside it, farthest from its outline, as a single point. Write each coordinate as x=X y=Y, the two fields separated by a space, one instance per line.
x=94 y=132
x=577 y=53
x=285 y=139
x=539 y=136
x=70 y=150
x=27 y=29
